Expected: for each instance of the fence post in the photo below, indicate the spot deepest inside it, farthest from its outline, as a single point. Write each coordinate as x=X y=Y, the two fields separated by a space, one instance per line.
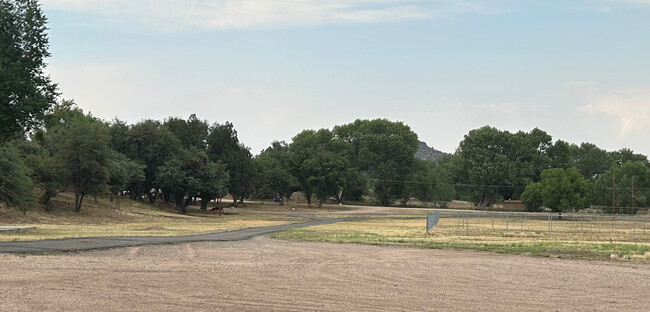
x=507 y=224
x=591 y=228
x=634 y=228
x=549 y=227
x=492 y=222
x=467 y=226
x=611 y=236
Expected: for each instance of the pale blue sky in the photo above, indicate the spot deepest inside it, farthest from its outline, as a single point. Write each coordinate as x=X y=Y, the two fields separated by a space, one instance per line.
x=578 y=69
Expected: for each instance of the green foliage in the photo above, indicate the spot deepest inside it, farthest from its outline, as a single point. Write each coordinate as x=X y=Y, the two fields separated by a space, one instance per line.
x=429 y=182
x=560 y=155
x=559 y=189
x=496 y=163
x=119 y=133
x=150 y=144
x=590 y=160
x=190 y=132
x=273 y=176
x=26 y=92
x=212 y=181
x=443 y=190
x=224 y=147
x=15 y=184
x=321 y=165
x=532 y=196
x=626 y=155
x=190 y=173
x=84 y=153
x=632 y=186
x=382 y=151
x=47 y=172
x=123 y=172
x=420 y=183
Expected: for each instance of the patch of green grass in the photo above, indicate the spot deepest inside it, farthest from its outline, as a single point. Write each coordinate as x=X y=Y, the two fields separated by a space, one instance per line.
x=556 y=249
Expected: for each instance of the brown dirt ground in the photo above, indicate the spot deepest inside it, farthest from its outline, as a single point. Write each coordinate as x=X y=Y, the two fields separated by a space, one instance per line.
x=270 y=275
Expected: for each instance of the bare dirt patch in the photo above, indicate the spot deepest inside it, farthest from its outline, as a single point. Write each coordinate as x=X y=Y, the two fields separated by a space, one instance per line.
x=270 y=275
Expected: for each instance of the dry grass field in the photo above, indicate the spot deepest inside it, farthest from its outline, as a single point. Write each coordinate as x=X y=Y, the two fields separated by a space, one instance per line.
x=512 y=235
x=134 y=218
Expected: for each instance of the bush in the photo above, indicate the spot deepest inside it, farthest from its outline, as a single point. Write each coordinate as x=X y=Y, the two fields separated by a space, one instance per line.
x=16 y=187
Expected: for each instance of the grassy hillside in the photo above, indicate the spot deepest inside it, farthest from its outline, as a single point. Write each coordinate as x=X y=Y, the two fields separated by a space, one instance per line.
x=102 y=218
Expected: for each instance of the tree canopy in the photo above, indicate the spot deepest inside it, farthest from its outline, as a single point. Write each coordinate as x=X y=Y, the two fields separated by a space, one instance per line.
x=26 y=92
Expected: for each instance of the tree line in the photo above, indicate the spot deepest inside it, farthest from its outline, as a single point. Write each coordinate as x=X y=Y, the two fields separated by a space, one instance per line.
x=492 y=165
x=49 y=145
x=181 y=160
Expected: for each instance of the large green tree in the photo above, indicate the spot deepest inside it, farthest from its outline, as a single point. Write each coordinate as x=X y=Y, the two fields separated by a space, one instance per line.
x=150 y=144
x=191 y=132
x=632 y=186
x=26 y=92
x=493 y=164
x=591 y=160
x=224 y=147
x=559 y=189
x=382 y=151
x=274 y=178
x=191 y=174
x=84 y=153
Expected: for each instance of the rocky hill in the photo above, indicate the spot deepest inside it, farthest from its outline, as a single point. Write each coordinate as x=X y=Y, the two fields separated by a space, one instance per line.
x=425 y=152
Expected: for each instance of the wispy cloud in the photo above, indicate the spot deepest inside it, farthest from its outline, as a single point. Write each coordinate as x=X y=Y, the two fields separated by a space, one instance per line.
x=242 y=14
x=631 y=108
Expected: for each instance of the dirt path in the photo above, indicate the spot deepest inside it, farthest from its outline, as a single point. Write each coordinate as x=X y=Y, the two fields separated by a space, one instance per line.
x=90 y=243
x=270 y=275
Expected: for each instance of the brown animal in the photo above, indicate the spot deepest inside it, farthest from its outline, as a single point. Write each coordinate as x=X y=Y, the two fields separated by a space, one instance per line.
x=215 y=209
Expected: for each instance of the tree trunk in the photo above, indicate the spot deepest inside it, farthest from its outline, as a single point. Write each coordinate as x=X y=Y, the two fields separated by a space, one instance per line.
x=320 y=202
x=77 y=202
x=484 y=202
x=112 y=197
x=204 y=204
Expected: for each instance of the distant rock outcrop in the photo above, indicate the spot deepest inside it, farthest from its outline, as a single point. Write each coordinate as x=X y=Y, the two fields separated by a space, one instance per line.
x=425 y=152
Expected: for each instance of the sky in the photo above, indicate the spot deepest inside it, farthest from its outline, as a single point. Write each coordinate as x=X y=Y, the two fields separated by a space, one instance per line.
x=580 y=70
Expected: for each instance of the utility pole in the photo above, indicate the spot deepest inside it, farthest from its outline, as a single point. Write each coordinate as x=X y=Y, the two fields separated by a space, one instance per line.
x=613 y=191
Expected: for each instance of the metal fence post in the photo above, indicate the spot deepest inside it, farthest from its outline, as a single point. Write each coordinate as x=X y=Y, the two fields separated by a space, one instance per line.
x=549 y=227
x=611 y=236
x=507 y=224
x=591 y=228
x=634 y=221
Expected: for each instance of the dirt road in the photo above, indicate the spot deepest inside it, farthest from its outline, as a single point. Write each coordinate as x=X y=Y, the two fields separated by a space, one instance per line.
x=89 y=243
x=262 y=274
